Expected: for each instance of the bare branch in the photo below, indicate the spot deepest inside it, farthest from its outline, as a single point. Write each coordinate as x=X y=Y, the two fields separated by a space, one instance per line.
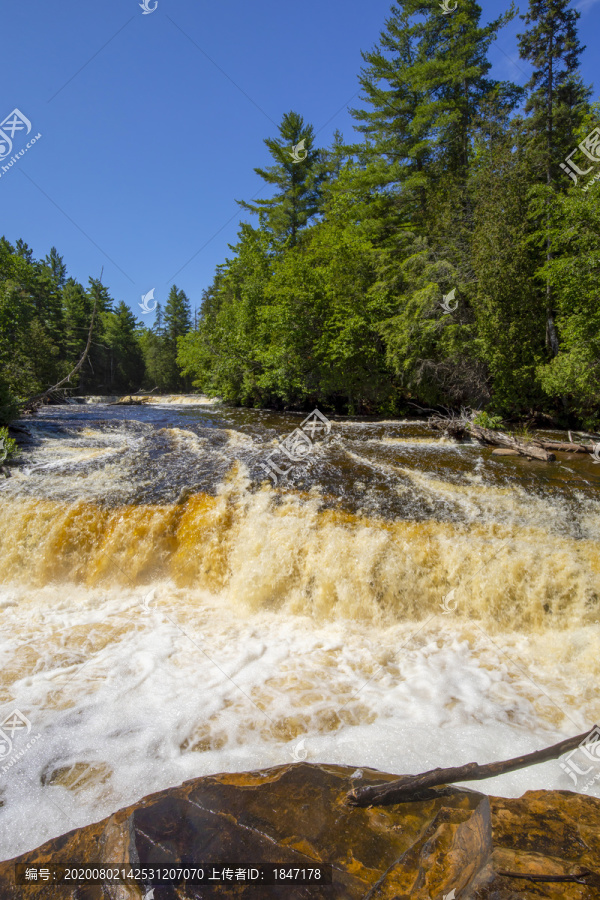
x=408 y=785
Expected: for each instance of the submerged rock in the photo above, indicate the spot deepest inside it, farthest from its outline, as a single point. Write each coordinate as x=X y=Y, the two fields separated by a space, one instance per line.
x=452 y=844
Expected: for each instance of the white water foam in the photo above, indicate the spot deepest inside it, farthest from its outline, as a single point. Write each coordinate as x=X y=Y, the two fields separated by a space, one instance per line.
x=130 y=700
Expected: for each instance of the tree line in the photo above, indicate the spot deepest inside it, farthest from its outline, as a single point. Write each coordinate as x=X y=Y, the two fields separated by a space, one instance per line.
x=448 y=257
x=44 y=324
x=454 y=189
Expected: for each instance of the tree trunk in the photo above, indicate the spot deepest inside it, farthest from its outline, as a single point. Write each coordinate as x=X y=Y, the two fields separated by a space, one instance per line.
x=523 y=448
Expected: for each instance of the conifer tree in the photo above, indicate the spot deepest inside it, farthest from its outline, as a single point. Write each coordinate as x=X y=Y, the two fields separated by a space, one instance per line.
x=56 y=264
x=126 y=360
x=556 y=105
x=177 y=316
x=424 y=84
x=297 y=174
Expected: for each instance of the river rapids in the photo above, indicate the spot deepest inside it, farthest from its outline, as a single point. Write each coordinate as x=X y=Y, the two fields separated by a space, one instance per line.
x=395 y=600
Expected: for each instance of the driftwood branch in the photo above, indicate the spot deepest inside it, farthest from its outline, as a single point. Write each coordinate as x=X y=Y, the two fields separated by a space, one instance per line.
x=498 y=439
x=39 y=398
x=580 y=876
x=562 y=447
x=453 y=426
x=407 y=786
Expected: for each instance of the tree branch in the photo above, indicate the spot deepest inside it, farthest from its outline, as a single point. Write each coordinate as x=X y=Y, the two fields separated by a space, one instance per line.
x=408 y=785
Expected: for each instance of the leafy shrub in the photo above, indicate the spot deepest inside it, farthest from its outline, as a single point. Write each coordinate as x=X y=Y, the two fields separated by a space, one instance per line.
x=8 y=446
x=484 y=420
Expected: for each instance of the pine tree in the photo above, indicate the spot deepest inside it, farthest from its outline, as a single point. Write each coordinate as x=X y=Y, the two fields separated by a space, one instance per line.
x=298 y=175
x=556 y=105
x=160 y=344
x=95 y=375
x=424 y=84
x=177 y=316
x=126 y=360
x=426 y=87
x=55 y=263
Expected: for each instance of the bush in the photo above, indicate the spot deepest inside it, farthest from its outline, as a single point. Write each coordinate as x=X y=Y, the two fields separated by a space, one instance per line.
x=484 y=420
x=8 y=446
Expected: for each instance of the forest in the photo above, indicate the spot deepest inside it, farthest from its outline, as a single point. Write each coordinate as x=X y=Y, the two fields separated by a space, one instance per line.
x=448 y=258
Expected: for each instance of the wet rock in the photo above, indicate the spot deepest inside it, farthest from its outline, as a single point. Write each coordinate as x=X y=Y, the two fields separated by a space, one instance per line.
x=454 y=841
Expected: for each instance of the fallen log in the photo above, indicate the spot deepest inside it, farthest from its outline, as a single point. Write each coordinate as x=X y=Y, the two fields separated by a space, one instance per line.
x=584 y=434
x=129 y=401
x=499 y=439
x=406 y=787
x=564 y=447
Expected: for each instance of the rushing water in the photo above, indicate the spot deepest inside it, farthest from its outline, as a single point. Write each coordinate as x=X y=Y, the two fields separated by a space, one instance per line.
x=168 y=612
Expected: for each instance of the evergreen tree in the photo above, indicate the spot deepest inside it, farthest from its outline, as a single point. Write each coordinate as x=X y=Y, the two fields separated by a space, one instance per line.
x=177 y=317
x=55 y=263
x=159 y=345
x=423 y=85
x=297 y=174
x=556 y=104
x=126 y=360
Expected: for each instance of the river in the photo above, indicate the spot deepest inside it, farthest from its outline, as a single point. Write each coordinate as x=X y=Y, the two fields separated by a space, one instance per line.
x=168 y=611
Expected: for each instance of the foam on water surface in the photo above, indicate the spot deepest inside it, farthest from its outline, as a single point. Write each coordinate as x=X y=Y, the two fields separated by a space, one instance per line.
x=166 y=615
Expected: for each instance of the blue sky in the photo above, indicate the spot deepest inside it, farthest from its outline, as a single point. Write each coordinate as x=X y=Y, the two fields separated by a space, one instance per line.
x=152 y=124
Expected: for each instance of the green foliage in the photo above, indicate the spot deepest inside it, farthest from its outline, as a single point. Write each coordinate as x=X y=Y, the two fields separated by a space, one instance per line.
x=9 y=407
x=574 y=274
x=298 y=180
x=8 y=446
x=335 y=295
x=484 y=420
x=44 y=325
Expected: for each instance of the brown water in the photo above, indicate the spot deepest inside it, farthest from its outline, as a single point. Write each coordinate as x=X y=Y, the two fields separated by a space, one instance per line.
x=167 y=611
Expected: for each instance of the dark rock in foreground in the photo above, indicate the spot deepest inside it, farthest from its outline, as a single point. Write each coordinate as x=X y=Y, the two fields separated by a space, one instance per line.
x=296 y=816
